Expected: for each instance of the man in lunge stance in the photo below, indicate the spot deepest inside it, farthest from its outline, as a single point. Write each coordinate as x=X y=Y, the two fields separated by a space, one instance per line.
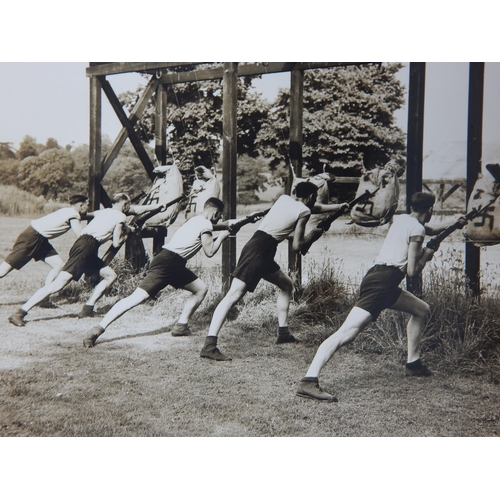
x=287 y=218
x=401 y=254
x=169 y=268
x=107 y=224
x=34 y=241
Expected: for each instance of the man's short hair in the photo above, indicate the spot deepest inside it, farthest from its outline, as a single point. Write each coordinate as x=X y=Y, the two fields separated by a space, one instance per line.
x=420 y=202
x=121 y=197
x=305 y=189
x=215 y=203
x=77 y=198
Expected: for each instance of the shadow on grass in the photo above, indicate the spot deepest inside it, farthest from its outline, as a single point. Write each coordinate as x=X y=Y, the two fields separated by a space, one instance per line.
x=159 y=331
x=50 y=318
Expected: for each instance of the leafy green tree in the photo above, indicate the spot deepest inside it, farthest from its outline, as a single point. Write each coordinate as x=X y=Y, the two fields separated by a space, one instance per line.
x=9 y=169
x=348 y=115
x=251 y=178
x=127 y=174
x=194 y=121
x=29 y=147
x=6 y=151
x=48 y=174
x=51 y=144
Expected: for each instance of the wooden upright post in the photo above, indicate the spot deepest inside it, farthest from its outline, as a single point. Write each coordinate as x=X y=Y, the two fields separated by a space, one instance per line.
x=161 y=125
x=415 y=139
x=474 y=151
x=415 y=146
x=95 y=171
x=160 y=147
x=296 y=115
x=229 y=161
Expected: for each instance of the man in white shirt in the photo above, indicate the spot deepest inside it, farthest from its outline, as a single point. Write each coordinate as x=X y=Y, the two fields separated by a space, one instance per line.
x=169 y=268
x=107 y=224
x=401 y=255
x=286 y=219
x=34 y=241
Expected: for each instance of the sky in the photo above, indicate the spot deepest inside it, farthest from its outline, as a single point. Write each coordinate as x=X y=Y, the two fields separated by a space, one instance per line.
x=52 y=100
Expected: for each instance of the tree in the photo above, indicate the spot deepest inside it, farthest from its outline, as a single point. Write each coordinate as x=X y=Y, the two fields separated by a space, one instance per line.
x=348 y=115
x=28 y=147
x=251 y=178
x=194 y=121
x=48 y=174
x=127 y=173
x=51 y=144
x=6 y=151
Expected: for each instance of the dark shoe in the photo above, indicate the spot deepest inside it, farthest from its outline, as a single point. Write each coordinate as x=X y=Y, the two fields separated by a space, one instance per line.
x=47 y=304
x=181 y=330
x=92 y=336
x=87 y=312
x=18 y=317
x=417 y=369
x=213 y=353
x=309 y=388
x=286 y=338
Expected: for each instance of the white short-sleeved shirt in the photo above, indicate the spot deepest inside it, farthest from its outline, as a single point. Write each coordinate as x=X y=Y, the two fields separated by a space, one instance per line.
x=281 y=220
x=102 y=226
x=56 y=223
x=394 y=251
x=186 y=241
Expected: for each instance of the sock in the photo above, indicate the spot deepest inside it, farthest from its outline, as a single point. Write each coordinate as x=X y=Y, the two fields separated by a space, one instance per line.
x=22 y=312
x=283 y=330
x=210 y=342
x=309 y=379
x=87 y=306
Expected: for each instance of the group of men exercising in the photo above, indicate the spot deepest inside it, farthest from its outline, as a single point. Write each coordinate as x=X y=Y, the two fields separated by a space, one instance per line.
x=402 y=254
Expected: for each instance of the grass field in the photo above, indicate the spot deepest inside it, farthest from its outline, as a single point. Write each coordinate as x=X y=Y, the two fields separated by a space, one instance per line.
x=140 y=381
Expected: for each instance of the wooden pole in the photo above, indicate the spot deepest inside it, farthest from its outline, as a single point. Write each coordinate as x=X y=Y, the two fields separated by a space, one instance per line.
x=160 y=146
x=229 y=162
x=415 y=147
x=95 y=173
x=295 y=152
x=474 y=152
x=161 y=125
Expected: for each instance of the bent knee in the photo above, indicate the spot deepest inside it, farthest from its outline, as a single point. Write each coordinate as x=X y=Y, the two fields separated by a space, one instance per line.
x=108 y=274
x=202 y=292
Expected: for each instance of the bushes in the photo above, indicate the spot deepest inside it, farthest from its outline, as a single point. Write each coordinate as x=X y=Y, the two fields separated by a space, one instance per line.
x=15 y=202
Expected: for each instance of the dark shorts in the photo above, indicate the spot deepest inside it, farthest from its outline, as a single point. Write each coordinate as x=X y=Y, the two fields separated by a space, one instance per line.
x=379 y=289
x=84 y=258
x=256 y=260
x=29 y=245
x=167 y=268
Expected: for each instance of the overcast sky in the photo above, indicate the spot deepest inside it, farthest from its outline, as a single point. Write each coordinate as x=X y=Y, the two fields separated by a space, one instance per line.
x=52 y=100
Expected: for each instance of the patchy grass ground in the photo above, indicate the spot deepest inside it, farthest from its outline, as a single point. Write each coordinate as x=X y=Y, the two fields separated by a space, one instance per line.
x=140 y=381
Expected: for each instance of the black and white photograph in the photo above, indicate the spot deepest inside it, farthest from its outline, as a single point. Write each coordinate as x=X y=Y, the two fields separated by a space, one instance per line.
x=199 y=254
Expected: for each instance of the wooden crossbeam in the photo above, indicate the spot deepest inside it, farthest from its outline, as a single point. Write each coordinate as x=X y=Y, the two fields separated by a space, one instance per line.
x=132 y=135
x=244 y=69
x=254 y=69
x=115 y=68
x=133 y=119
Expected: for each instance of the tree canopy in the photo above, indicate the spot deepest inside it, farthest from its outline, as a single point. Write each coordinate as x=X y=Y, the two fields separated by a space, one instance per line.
x=194 y=121
x=348 y=114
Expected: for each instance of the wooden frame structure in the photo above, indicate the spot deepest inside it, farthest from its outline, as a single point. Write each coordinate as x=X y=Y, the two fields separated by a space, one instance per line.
x=162 y=74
